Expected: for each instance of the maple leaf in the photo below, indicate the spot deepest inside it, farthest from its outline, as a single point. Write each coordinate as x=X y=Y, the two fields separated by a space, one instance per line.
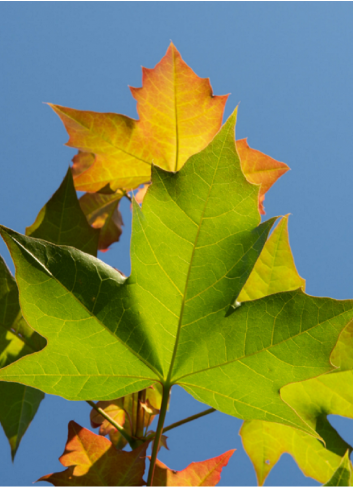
x=179 y=116
x=314 y=400
x=92 y=460
x=18 y=403
x=265 y=442
x=172 y=321
x=197 y=474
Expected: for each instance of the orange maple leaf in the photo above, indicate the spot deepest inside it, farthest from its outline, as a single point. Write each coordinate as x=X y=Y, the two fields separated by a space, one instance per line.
x=92 y=460
x=179 y=116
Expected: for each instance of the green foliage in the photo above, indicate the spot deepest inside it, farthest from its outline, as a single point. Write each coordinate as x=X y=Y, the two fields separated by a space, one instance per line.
x=213 y=304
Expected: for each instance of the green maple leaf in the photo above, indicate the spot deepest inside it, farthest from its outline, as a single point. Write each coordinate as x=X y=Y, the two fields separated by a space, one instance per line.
x=194 y=244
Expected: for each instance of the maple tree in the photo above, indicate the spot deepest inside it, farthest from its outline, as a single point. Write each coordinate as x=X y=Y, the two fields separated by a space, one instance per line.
x=214 y=302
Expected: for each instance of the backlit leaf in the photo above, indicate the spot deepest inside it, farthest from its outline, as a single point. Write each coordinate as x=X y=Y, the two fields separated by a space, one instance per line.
x=172 y=320
x=92 y=460
x=179 y=116
x=275 y=270
x=197 y=474
x=265 y=443
x=62 y=221
x=18 y=403
x=259 y=168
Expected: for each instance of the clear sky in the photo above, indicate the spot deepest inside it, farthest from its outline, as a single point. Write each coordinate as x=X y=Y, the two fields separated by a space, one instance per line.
x=290 y=67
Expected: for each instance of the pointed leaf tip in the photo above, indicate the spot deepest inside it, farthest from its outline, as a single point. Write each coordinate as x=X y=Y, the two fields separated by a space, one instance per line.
x=197 y=474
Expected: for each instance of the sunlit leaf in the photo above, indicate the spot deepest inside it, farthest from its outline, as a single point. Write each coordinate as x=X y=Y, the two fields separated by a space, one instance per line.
x=179 y=115
x=172 y=320
x=275 y=270
x=198 y=474
x=265 y=443
x=92 y=460
x=313 y=400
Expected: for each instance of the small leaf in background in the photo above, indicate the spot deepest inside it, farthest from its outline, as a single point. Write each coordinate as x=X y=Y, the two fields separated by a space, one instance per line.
x=179 y=116
x=274 y=270
x=18 y=403
x=102 y=212
x=125 y=411
x=197 y=474
x=92 y=460
x=259 y=168
x=61 y=221
x=343 y=474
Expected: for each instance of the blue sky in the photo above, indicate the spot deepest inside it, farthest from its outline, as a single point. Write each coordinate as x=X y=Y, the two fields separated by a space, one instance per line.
x=289 y=65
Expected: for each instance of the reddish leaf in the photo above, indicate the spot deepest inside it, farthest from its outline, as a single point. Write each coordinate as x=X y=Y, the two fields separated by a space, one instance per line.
x=179 y=116
x=92 y=460
x=207 y=473
x=259 y=168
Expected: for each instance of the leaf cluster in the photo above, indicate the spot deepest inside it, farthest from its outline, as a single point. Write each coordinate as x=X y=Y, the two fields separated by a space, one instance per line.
x=213 y=304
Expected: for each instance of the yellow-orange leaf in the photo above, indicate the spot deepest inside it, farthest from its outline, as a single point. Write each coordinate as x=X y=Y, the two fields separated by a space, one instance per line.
x=259 y=168
x=92 y=460
x=179 y=116
x=207 y=473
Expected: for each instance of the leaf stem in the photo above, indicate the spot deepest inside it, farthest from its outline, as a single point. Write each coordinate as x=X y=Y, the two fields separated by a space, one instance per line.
x=121 y=430
x=190 y=418
x=127 y=196
x=157 y=438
